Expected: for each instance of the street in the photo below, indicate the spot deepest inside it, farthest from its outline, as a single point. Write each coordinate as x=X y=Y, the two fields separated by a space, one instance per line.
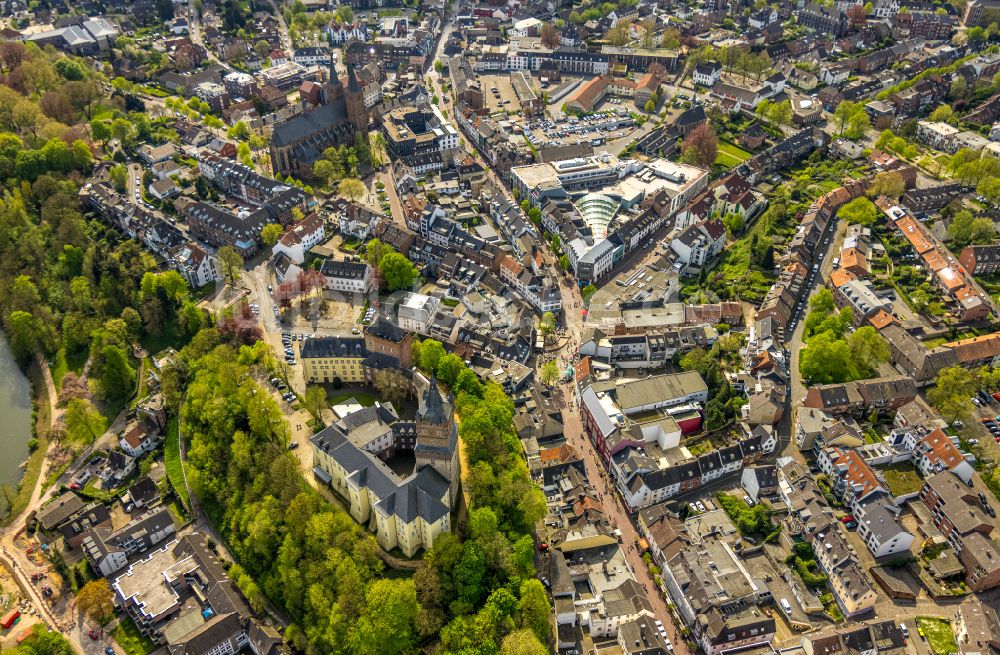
x=610 y=502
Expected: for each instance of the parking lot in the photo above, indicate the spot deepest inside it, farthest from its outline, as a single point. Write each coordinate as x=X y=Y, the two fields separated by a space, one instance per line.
x=499 y=94
x=597 y=129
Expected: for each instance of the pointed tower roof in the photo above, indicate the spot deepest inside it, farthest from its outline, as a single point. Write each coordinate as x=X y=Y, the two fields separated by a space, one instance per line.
x=434 y=407
x=352 y=81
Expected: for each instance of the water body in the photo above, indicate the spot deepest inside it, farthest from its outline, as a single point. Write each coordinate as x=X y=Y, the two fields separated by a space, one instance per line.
x=15 y=416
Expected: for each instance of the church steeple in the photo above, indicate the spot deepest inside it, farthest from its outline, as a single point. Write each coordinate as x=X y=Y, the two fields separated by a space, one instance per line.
x=357 y=112
x=352 y=81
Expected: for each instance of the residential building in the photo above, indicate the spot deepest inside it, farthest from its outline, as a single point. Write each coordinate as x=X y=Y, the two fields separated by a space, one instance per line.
x=699 y=244
x=981 y=260
x=707 y=73
x=109 y=550
x=301 y=237
x=196 y=265
x=936 y=451
x=881 y=529
x=955 y=509
x=416 y=312
x=851 y=587
x=346 y=277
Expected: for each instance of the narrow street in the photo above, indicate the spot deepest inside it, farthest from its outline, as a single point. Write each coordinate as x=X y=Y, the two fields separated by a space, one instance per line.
x=612 y=504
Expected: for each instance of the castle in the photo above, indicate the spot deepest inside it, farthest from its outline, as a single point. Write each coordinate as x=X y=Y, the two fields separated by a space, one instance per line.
x=298 y=143
x=405 y=512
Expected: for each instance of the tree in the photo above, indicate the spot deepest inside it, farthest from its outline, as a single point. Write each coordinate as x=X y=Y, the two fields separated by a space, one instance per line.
x=397 y=271
x=270 y=233
x=844 y=112
x=534 y=609
x=734 y=223
x=449 y=368
x=97 y=601
x=23 y=333
x=100 y=131
x=84 y=424
x=859 y=211
x=244 y=155
x=781 y=113
x=344 y=14
x=701 y=146
x=618 y=34
x=240 y=131
x=953 y=391
x=671 y=39
x=352 y=189
x=587 y=293
x=314 y=401
x=429 y=355
x=548 y=324
x=117 y=375
x=825 y=360
x=942 y=114
x=323 y=170
x=648 y=30
x=549 y=373
x=375 y=250
x=522 y=642
x=83 y=96
x=550 y=36
x=119 y=176
x=856 y=16
x=231 y=263
x=858 y=125
x=889 y=184
x=965 y=229
x=868 y=349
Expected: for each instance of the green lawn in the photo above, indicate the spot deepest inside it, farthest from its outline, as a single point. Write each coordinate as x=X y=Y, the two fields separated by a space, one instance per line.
x=130 y=639
x=172 y=461
x=731 y=155
x=171 y=337
x=63 y=363
x=902 y=479
x=141 y=391
x=364 y=398
x=938 y=634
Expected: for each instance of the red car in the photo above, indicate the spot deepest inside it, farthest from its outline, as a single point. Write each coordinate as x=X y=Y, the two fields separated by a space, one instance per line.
x=848 y=519
x=94 y=634
x=997 y=395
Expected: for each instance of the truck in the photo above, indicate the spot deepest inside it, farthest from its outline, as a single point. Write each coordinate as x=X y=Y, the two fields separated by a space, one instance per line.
x=9 y=618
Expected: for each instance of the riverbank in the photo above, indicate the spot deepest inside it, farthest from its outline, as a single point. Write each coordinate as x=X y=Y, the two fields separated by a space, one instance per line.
x=41 y=425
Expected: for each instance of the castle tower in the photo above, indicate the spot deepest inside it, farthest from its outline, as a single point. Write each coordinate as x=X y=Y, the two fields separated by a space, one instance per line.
x=437 y=437
x=357 y=113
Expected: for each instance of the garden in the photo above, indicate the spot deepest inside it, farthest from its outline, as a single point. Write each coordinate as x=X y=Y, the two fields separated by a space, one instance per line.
x=938 y=633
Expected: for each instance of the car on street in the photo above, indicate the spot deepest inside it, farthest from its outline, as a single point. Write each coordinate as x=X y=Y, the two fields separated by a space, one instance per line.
x=851 y=525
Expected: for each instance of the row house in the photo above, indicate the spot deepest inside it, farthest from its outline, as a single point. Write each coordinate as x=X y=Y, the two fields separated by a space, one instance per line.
x=862 y=397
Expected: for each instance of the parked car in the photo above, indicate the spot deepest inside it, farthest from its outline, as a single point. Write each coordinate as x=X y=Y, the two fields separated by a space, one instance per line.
x=851 y=525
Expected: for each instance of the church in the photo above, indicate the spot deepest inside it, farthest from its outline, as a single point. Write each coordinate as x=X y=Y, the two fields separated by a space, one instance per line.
x=352 y=455
x=298 y=143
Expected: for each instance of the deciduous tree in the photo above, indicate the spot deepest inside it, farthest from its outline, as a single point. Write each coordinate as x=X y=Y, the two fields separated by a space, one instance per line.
x=701 y=146
x=231 y=263
x=84 y=424
x=270 y=233
x=952 y=393
x=97 y=601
